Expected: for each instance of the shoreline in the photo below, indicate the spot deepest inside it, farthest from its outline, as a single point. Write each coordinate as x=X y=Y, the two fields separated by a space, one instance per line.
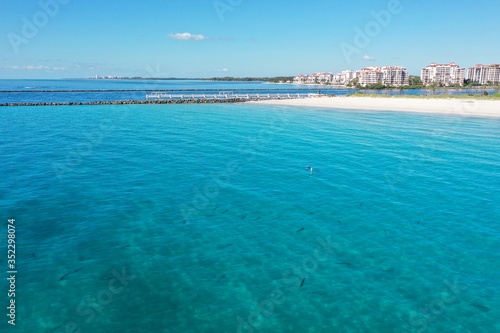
x=451 y=106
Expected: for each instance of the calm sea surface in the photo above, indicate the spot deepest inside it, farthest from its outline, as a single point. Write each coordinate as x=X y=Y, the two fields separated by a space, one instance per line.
x=204 y=218
x=77 y=90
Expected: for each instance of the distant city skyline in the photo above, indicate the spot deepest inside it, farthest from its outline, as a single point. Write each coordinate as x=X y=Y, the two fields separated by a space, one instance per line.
x=214 y=38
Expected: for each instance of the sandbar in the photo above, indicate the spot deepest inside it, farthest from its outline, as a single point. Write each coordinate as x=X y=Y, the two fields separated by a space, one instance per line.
x=449 y=106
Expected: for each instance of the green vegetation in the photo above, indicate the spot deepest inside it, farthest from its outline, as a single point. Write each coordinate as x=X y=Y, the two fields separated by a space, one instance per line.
x=354 y=83
x=277 y=79
x=374 y=86
x=416 y=83
x=468 y=83
x=495 y=96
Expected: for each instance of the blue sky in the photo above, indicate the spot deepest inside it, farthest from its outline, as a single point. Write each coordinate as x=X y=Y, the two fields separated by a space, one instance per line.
x=207 y=38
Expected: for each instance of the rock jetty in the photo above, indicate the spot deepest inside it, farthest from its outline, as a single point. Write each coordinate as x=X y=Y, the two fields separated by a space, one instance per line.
x=159 y=101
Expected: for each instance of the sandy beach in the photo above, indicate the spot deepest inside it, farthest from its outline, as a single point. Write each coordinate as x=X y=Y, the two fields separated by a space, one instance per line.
x=459 y=107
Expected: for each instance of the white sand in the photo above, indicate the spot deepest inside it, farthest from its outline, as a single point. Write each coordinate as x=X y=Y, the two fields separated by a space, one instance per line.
x=459 y=107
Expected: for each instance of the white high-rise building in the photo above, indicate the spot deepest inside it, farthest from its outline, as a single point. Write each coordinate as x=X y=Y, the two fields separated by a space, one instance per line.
x=321 y=77
x=371 y=75
x=484 y=74
x=395 y=76
x=388 y=75
x=445 y=74
x=345 y=77
x=300 y=79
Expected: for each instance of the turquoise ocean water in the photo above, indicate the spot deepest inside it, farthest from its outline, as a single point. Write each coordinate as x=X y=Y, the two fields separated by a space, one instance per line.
x=204 y=218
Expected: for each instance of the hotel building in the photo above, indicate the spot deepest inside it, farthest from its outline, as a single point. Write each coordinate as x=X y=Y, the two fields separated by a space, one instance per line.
x=445 y=74
x=371 y=75
x=321 y=77
x=388 y=75
x=484 y=74
x=345 y=77
x=395 y=76
x=300 y=79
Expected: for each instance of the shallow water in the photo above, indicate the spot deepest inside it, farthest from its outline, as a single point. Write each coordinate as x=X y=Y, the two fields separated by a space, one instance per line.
x=203 y=218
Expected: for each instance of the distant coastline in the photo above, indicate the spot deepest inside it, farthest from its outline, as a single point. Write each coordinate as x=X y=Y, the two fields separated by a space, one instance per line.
x=272 y=79
x=290 y=80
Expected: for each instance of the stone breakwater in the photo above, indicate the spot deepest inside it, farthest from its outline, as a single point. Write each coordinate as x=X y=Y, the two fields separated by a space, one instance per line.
x=160 y=101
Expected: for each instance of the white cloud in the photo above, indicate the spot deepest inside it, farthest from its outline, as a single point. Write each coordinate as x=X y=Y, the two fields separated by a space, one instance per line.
x=366 y=57
x=186 y=36
x=225 y=70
